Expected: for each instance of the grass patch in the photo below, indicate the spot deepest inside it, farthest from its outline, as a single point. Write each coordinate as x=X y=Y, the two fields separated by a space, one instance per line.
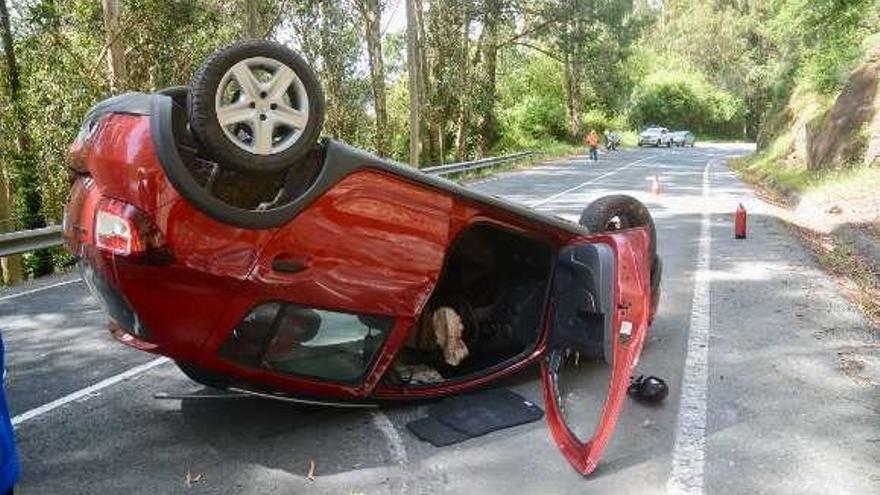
x=856 y=182
x=792 y=177
x=775 y=169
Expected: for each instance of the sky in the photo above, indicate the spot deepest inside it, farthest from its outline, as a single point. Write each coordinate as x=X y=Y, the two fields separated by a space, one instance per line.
x=394 y=18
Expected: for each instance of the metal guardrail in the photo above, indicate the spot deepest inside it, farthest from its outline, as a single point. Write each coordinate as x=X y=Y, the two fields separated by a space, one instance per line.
x=454 y=168
x=26 y=241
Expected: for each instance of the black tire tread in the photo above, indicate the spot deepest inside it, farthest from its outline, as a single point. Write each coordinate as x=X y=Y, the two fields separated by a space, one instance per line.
x=632 y=213
x=656 y=277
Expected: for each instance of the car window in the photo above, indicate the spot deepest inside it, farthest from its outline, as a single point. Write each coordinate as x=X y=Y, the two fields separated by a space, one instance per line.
x=302 y=341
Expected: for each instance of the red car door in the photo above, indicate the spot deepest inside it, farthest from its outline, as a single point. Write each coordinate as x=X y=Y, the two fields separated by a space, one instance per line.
x=601 y=305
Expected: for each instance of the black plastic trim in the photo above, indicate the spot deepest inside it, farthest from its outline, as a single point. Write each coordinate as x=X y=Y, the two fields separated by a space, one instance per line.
x=130 y=103
x=340 y=161
x=583 y=293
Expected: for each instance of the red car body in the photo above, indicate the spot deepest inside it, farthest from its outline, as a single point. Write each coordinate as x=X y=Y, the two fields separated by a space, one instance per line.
x=372 y=240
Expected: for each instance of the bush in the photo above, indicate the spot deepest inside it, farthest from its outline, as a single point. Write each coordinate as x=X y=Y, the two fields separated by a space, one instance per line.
x=594 y=119
x=531 y=101
x=687 y=101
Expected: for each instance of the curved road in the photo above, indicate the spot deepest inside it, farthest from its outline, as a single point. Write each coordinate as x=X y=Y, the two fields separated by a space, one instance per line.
x=749 y=337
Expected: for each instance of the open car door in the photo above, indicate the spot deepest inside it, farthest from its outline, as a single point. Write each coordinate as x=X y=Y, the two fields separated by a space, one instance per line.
x=600 y=310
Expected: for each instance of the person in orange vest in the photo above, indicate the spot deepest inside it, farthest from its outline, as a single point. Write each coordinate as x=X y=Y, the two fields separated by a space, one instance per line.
x=593 y=143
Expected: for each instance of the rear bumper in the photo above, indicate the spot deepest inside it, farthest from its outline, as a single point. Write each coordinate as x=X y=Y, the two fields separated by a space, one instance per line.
x=124 y=322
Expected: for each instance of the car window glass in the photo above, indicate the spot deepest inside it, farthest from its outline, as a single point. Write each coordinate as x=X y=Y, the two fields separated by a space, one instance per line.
x=297 y=340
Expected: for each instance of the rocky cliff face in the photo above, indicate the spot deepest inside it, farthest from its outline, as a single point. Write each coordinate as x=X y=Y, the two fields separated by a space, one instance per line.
x=872 y=149
x=849 y=132
x=841 y=136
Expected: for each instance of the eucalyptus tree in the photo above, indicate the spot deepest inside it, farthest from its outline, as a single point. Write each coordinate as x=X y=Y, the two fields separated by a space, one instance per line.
x=371 y=16
x=24 y=177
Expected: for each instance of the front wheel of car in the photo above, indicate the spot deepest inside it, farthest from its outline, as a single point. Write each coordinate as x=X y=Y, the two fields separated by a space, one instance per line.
x=202 y=376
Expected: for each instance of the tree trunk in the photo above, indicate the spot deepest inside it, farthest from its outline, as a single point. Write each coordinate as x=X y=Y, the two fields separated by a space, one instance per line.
x=487 y=128
x=27 y=181
x=463 y=120
x=415 y=101
x=572 y=96
x=10 y=268
x=115 y=44
x=371 y=11
x=252 y=26
x=429 y=119
x=573 y=70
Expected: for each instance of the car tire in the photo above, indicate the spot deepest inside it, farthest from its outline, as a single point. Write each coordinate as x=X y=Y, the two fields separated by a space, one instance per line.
x=243 y=143
x=630 y=212
x=179 y=94
x=202 y=376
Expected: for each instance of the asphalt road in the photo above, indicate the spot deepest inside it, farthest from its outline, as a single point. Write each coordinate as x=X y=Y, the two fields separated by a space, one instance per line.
x=750 y=336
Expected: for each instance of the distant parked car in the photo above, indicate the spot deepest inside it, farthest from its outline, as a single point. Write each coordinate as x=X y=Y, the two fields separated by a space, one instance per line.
x=655 y=136
x=683 y=138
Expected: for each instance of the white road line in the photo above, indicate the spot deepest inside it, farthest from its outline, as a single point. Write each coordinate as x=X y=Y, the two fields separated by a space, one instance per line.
x=392 y=436
x=591 y=181
x=689 y=452
x=40 y=289
x=79 y=394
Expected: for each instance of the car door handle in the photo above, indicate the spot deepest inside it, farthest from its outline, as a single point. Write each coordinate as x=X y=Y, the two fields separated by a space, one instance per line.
x=288 y=264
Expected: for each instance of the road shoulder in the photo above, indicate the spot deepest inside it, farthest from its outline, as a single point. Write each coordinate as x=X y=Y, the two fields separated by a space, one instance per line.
x=789 y=411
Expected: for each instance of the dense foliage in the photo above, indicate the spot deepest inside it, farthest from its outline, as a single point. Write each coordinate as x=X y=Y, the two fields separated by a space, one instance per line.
x=687 y=100
x=488 y=75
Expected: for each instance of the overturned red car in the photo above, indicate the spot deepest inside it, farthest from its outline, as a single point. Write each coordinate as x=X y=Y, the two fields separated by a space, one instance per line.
x=217 y=229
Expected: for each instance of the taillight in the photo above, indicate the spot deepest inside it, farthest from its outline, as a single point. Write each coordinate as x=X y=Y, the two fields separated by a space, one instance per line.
x=122 y=229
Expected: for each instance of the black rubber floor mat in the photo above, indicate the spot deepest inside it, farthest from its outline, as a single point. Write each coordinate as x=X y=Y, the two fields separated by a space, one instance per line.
x=436 y=433
x=458 y=418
